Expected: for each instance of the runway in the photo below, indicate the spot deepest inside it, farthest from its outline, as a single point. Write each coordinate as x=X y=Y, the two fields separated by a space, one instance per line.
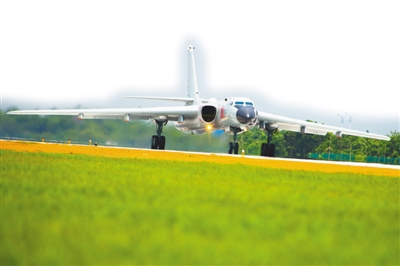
x=266 y=162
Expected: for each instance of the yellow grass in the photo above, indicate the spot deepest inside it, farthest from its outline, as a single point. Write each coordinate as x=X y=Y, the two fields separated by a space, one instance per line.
x=194 y=157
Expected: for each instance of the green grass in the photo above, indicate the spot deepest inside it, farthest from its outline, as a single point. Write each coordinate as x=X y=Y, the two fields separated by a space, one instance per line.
x=80 y=210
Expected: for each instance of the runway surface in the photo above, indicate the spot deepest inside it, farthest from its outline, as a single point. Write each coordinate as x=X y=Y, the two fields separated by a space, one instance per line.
x=277 y=163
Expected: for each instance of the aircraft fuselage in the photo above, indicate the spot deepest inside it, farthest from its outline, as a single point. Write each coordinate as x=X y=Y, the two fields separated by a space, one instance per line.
x=237 y=112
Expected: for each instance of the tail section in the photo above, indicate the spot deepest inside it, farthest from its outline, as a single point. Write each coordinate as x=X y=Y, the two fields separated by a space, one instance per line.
x=193 y=93
x=192 y=80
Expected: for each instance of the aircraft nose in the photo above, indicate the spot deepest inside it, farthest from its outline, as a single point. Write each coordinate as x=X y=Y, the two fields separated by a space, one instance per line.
x=246 y=114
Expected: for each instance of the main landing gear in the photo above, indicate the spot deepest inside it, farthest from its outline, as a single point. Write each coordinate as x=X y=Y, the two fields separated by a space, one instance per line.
x=268 y=149
x=234 y=146
x=158 y=141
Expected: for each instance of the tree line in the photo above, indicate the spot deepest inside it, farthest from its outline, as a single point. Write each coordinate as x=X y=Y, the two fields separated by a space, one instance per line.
x=138 y=134
x=295 y=145
x=105 y=132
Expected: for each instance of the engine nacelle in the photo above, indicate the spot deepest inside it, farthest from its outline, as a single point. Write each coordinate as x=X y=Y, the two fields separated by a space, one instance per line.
x=205 y=120
x=208 y=113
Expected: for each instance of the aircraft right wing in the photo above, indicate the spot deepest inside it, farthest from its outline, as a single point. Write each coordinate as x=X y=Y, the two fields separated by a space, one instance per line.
x=295 y=125
x=171 y=113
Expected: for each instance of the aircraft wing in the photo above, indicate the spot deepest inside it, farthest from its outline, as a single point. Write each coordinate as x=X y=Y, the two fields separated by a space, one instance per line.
x=171 y=113
x=290 y=124
x=174 y=99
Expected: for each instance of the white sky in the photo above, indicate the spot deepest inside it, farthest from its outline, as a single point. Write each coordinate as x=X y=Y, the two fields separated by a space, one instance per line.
x=302 y=59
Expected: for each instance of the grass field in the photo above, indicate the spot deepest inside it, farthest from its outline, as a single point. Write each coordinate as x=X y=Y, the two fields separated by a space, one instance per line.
x=96 y=210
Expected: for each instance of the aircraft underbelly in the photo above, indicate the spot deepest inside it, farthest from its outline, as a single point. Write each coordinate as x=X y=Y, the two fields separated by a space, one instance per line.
x=197 y=125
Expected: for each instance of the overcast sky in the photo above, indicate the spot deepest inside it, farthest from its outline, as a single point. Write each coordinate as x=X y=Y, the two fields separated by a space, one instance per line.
x=302 y=59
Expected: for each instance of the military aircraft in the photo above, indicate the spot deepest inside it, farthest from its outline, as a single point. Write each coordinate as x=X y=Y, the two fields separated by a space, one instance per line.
x=233 y=115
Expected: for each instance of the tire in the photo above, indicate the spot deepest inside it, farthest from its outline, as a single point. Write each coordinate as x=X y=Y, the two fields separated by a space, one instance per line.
x=268 y=151
x=272 y=151
x=264 y=147
x=236 y=148
x=230 y=148
x=155 y=140
x=161 y=144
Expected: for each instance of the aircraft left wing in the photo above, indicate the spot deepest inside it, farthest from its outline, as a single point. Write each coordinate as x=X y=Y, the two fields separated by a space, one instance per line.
x=171 y=113
x=174 y=99
x=295 y=125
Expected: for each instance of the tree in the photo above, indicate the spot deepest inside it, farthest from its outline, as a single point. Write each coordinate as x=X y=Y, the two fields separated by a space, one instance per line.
x=251 y=141
x=393 y=147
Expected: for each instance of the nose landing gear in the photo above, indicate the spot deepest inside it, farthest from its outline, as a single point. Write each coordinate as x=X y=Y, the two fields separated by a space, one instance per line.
x=233 y=148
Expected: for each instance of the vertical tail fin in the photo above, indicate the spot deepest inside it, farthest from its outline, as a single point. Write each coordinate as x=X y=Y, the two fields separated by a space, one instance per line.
x=192 y=80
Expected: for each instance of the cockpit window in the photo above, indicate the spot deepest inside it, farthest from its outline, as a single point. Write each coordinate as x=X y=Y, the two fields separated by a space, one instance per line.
x=239 y=104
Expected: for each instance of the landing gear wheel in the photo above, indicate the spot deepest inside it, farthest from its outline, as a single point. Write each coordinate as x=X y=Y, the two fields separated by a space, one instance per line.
x=236 y=148
x=155 y=142
x=268 y=150
x=161 y=144
x=263 y=149
x=231 y=147
x=158 y=141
